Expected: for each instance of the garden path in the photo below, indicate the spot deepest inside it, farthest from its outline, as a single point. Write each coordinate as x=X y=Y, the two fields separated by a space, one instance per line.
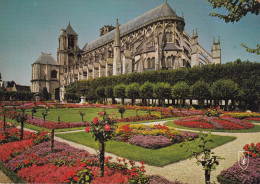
x=4 y=178
x=187 y=170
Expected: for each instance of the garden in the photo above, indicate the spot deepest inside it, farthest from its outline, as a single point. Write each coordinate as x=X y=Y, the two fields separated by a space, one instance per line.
x=140 y=126
x=123 y=132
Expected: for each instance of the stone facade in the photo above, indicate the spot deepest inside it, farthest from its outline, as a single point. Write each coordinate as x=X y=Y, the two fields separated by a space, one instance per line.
x=46 y=73
x=155 y=40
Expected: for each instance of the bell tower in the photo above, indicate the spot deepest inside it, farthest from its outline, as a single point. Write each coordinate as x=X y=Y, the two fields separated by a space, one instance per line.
x=68 y=41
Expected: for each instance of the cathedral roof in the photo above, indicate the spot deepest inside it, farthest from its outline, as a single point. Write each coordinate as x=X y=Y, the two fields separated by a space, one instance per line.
x=45 y=59
x=163 y=10
x=70 y=31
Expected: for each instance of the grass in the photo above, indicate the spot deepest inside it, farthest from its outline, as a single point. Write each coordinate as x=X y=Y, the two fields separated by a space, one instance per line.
x=72 y=114
x=159 y=157
x=9 y=173
x=255 y=129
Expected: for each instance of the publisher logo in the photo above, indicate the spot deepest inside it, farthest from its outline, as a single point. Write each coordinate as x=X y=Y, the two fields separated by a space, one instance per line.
x=243 y=160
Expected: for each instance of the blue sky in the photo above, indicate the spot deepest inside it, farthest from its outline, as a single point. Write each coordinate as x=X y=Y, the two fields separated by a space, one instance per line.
x=29 y=27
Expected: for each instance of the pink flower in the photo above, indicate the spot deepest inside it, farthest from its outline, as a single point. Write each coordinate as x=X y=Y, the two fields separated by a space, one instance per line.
x=87 y=129
x=95 y=120
x=107 y=127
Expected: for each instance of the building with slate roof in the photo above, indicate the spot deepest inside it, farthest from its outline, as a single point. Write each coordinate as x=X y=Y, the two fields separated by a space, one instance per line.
x=45 y=74
x=153 y=41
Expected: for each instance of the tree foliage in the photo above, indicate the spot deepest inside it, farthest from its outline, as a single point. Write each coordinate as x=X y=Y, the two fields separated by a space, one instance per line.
x=181 y=90
x=146 y=90
x=224 y=89
x=236 y=8
x=200 y=90
x=132 y=91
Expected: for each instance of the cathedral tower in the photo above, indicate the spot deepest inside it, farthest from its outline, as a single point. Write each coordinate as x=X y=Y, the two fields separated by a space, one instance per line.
x=117 y=49
x=68 y=41
x=195 y=49
x=216 y=52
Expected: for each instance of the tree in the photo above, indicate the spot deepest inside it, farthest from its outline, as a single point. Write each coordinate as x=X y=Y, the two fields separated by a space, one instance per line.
x=102 y=131
x=250 y=92
x=236 y=10
x=200 y=90
x=224 y=89
x=4 y=112
x=181 y=90
x=132 y=91
x=33 y=110
x=100 y=92
x=146 y=91
x=162 y=91
x=45 y=113
x=82 y=114
x=119 y=92
x=204 y=155
x=109 y=93
x=45 y=94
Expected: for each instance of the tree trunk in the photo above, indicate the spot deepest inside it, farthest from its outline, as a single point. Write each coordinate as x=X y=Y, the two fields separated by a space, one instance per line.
x=21 y=131
x=207 y=177
x=4 y=123
x=82 y=118
x=226 y=104
x=122 y=115
x=123 y=101
x=102 y=158
x=52 y=140
x=32 y=115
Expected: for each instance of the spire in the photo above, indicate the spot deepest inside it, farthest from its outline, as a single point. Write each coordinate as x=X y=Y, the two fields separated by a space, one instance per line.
x=218 y=40
x=182 y=15
x=196 y=32
x=117 y=35
x=213 y=40
x=193 y=33
x=69 y=30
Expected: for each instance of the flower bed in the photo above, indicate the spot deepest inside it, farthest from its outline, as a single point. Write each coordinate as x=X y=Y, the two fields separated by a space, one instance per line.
x=252 y=119
x=149 y=141
x=33 y=161
x=153 y=136
x=223 y=122
x=55 y=125
x=244 y=115
x=250 y=175
x=11 y=149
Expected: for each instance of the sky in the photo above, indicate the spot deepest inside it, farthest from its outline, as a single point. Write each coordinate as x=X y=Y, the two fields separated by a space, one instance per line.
x=29 y=27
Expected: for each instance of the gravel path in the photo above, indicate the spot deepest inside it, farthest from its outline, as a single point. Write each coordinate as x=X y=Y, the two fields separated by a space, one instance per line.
x=4 y=178
x=187 y=170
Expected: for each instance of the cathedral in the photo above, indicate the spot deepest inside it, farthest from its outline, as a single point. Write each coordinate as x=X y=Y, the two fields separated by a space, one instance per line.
x=153 y=41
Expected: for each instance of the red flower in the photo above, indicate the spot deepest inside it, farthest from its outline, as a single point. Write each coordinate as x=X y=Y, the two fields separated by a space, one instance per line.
x=252 y=145
x=107 y=127
x=95 y=120
x=87 y=129
x=253 y=155
x=142 y=162
x=76 y=178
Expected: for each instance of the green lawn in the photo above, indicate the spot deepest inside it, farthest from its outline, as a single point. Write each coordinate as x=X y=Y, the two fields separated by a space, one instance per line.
x=72 y=114
x=255 y=129
x=159 y=157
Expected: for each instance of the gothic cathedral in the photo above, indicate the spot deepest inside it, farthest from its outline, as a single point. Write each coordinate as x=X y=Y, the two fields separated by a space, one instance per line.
x=153 y=41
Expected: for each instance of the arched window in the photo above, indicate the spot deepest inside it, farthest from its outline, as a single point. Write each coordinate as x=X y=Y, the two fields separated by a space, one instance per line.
x=149 y=64
x=169 y=59
x=153 y=62
x=54 y=74
x=170 y=37
x=71 y=42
